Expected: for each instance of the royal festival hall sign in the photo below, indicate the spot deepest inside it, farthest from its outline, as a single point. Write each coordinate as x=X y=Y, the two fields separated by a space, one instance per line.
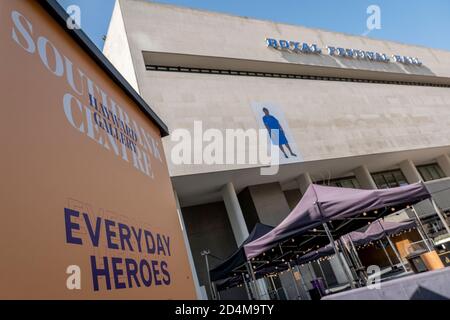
x=305 y=48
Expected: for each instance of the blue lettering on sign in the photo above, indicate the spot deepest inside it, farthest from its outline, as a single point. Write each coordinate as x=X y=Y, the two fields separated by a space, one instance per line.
x=292 y=46
x=70 y=226
x=299 y=47
x=151 y=269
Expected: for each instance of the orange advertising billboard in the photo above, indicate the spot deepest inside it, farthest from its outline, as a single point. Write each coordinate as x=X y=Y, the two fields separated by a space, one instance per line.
x=88 y=209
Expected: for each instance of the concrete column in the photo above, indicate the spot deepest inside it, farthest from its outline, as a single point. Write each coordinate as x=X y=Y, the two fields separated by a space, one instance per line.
x=304 y=180
x=444 y=163
x=364 y=178
x=198 y=291
x=270 y=203
x=239 y=226
x=235 y=214
x=410 y=171
x=338 y=270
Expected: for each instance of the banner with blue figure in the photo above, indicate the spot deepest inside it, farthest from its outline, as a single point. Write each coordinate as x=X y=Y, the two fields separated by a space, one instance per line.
x=271 y=118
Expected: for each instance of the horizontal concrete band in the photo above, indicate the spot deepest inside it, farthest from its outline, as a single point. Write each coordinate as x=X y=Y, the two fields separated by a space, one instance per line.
x=165 y=61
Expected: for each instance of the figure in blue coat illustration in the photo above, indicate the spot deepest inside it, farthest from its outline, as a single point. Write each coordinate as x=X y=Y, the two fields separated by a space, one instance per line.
x=276 y=132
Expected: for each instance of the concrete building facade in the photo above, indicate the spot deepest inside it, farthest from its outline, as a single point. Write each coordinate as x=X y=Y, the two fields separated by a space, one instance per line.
x=353 y=121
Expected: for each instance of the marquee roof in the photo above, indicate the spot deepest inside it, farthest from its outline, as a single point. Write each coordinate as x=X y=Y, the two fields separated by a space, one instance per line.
x=238 y=258
x=322 y=204
x=375 y=231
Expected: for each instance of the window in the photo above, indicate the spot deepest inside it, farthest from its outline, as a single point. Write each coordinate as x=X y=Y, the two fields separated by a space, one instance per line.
x=349 y=182
x=431 y=172
x=389 y=179
x=234 y=72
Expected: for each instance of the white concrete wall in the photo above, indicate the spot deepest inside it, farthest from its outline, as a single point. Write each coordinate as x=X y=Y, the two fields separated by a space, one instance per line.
x=167 y=28
x=117 y=48
x=327 y=119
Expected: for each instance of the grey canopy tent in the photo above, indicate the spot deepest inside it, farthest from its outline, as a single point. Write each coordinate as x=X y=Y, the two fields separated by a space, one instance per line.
x=373 y=232
x=370 y=233
x=229 y=268
x=377 y=231
x=349 y=208
x=322 y=215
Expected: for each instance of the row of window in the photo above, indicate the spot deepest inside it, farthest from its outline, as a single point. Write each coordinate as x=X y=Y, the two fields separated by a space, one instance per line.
x=284 y=75
x=389 y=179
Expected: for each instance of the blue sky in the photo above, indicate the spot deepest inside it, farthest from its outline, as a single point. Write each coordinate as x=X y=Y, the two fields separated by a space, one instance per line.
x=419 y=22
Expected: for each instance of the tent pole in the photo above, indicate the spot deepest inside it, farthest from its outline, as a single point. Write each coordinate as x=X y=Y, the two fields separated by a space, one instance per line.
x=441 y=216
x=255 y=285
x=386 y=253
x=355 y=252
x=247 y=289
x=216 y=292
x=349 y=260
x=274 y=287
x=421 y=229
x=340 y=259
x=297 y=290
x=396 y=253
x=361 y=273
x=302 y=282
x=205 y=253
x=323 y=274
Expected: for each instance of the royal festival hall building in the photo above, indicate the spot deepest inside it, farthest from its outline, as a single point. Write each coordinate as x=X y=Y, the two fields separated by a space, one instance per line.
x=358 y=112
